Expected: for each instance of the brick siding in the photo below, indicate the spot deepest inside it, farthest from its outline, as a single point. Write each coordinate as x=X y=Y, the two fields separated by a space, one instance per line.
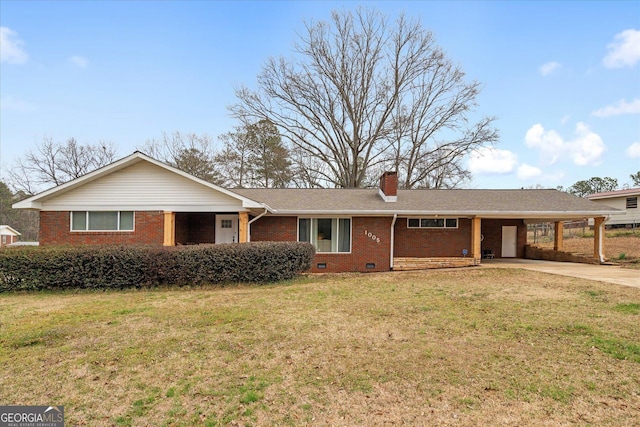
x=195 y=227
x=432 y=242
x=492 y=232
x=370 y=240
x=55 y=230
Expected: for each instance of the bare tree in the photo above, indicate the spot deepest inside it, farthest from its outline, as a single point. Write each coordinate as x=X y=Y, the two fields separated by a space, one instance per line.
x=233 y=159
x=54 y=163
x=361 y=93
x=188 y=152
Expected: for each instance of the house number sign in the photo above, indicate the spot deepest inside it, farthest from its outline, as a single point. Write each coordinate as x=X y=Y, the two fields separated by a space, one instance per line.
x=372 y=236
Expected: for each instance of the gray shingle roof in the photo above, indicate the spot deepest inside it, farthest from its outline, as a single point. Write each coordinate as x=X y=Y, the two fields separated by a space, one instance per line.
x=487 y=203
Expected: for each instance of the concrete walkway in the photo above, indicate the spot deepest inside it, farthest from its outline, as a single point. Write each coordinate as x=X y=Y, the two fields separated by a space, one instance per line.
x=602 y=273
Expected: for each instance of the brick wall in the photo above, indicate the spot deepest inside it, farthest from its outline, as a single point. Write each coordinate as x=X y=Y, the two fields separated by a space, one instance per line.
x=55 y=230
x=534 y=252
x=370 y=238
x=275 y=229
x=432 y=242
x=195 y=227
x=492 y=232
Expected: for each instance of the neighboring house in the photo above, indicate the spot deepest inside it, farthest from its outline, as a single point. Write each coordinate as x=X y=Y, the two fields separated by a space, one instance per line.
x=139 y=200
x=8 y=235
x=624 y=200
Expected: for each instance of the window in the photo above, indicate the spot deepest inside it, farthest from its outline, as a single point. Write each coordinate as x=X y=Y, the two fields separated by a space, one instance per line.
x=101 y=221
x=226 y=223
x=326 y=234
x=632 y=202
x=432 y=223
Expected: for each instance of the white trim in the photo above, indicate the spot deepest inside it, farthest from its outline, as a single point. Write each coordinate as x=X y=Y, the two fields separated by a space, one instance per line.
x=388 y=199
x=86 y=219
x=459 y=214
x=444 y=224
x=336 y=231
x=11 y=230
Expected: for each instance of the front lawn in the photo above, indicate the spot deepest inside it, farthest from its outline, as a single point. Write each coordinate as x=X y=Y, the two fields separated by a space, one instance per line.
x=459 y=347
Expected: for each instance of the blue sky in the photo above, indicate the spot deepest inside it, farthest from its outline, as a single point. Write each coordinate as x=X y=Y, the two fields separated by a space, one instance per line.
x=562 y=78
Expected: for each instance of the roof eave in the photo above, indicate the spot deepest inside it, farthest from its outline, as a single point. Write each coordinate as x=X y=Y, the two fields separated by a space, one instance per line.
x=482 y=214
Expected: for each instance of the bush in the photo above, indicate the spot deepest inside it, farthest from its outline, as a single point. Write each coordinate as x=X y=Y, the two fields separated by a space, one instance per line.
x=119 y=267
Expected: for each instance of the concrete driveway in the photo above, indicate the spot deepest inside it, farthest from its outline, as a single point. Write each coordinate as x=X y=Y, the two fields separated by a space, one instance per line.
x=602 y=273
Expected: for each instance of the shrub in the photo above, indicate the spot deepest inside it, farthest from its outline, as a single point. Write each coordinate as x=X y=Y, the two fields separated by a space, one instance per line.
x=118 y=267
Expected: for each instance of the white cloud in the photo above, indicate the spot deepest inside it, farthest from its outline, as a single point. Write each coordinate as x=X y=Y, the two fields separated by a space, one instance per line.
x=9 y=103
x=624 y=51
x=487 y=160
x=549 y=67
x=565 y=119
x=79 y=61
x=633 y=150
x=526 y=172
x=622 y=107
x=11 y=50
x=548 y=142
x=586 y=149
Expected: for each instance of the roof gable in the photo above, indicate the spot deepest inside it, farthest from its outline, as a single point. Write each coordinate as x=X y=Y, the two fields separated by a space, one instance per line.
x=5 y=230
x=613 y=194
x=137 y=182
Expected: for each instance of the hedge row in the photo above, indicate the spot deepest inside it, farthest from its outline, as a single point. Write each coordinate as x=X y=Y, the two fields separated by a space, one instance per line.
x=119 y=267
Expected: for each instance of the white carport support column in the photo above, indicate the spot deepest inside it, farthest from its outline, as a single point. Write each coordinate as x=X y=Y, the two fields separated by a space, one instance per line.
x=598 y=238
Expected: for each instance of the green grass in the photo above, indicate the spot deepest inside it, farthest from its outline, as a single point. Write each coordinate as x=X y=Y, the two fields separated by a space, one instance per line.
x=465 y=346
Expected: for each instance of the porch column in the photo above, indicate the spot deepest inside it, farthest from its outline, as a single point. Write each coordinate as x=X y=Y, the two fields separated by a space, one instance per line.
x=598 y=238
x=169 y=229
x=476 y=226
x=558 y=238
x=243 y=227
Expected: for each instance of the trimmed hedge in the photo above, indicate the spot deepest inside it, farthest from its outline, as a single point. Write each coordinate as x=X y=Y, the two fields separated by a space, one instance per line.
x=120 y=267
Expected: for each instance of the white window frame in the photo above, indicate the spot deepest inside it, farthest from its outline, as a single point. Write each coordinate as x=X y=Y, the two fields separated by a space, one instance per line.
x=314 y=232
x=444 y=223
x=86 y=223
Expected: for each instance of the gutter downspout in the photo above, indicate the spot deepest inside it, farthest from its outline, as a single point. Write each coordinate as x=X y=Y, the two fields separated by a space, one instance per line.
x=393 y=225
x=254 y=220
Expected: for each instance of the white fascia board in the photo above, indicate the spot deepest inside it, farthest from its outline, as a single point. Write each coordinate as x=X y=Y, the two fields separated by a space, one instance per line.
x=470 y=214
x=27 y=204
x=11 y=230
x=163 y=207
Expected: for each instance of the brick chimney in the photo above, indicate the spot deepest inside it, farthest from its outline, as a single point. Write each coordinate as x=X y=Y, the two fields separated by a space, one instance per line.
x=389 y=187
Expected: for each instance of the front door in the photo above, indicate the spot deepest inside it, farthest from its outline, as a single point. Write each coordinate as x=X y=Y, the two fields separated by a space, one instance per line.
x=509 y=241
x=226 y=228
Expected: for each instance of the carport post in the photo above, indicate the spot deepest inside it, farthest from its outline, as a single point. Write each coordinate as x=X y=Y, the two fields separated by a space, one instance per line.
x=558 y=238
x=598 y=238
x=476 y=248
x=169 y=229
x=243 y=228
